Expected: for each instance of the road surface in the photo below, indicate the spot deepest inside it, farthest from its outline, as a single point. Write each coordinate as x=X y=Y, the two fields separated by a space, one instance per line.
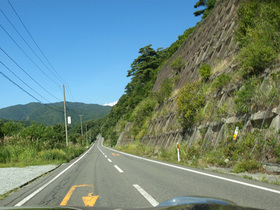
x=103 y=177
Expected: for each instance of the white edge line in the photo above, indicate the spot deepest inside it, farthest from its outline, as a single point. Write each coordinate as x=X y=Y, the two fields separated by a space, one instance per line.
x=149 y=198
x=198 y=172
x=45 y=185
x=117 y=167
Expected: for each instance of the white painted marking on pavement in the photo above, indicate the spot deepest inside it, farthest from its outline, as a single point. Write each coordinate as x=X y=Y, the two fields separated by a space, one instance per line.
x=105 y=156
x=117 y=167
x=45 y=185
x=109 y=160
x=201 y=173
x=149 y=198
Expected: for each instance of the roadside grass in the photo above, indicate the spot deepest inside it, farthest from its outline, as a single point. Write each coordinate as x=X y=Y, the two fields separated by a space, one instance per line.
x=228 y=154
x=247 y=177
x=276 y=182
x=30 y=155
x=192 y=156
x=169 y=155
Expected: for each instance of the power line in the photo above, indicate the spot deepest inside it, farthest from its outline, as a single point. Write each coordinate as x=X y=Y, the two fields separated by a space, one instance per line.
x=69 y=93
x=34 y=40
x=27 y=73
x=20 y=87
x=29 y=46
x=23 y=81
x=57 y=76
x=26 y=54
x=27 y=92
x=60 y=78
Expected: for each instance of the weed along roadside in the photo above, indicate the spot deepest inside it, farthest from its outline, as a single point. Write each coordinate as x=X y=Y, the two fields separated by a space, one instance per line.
x=25 y=154
x=36 y=144
x=191 y=157
x=13 y=178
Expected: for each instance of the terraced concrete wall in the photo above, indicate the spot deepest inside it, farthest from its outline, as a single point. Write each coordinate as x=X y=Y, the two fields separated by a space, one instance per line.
x=211 y=42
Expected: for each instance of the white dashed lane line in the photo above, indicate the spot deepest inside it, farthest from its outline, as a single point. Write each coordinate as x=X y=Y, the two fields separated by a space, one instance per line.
x=118 y=168
x=146 y=195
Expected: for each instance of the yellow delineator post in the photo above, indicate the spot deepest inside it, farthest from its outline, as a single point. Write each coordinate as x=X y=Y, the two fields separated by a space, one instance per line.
x=235 y=133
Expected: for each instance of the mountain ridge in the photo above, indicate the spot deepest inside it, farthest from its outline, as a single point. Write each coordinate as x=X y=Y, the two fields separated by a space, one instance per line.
x=53 y=113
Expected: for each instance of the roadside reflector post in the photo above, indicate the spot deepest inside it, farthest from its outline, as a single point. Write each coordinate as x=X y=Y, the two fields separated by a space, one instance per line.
x=178 y=152
x=235 y=133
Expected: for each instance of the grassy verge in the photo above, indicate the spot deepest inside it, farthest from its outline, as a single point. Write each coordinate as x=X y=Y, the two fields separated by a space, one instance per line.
x=169 y=155
x=235 y=155
x=27 y=154
x=192 y=158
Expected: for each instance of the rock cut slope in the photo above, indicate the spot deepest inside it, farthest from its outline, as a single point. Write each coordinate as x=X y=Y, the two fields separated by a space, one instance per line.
x=211 y=42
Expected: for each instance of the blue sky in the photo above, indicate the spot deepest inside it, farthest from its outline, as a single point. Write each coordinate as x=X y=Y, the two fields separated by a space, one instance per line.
x=90 y=44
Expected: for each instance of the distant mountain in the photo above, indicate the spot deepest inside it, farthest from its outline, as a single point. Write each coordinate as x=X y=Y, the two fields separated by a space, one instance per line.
x=51 y=114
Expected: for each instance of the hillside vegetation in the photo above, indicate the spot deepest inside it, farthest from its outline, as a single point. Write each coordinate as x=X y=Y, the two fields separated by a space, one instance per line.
x=139 y=101
x=25 y=143
x=255 y=85
x=53 y=113
x=143 y=74
x=39 y=137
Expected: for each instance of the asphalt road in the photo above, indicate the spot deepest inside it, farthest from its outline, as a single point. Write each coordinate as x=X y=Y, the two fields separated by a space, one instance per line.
x=103 y=177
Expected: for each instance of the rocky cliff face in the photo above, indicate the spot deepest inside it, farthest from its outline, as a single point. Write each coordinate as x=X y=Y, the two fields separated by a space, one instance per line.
x=213 y=43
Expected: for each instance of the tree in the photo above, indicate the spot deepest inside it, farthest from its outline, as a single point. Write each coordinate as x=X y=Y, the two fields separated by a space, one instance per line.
x=34 y=132
x=208 y=6
x=205 y=71
x=59 y=132
x=258 y=35
x=143 y=72
x=11 y=128
x=165 y=90
x=189 y=101
x=177 y=64
x=199 y=4
x=1 y=133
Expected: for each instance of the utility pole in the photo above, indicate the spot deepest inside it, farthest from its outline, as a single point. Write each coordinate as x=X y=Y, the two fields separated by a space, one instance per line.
x=81 y=124
x=65 y=117
x=86 y=135
x=90 y=136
